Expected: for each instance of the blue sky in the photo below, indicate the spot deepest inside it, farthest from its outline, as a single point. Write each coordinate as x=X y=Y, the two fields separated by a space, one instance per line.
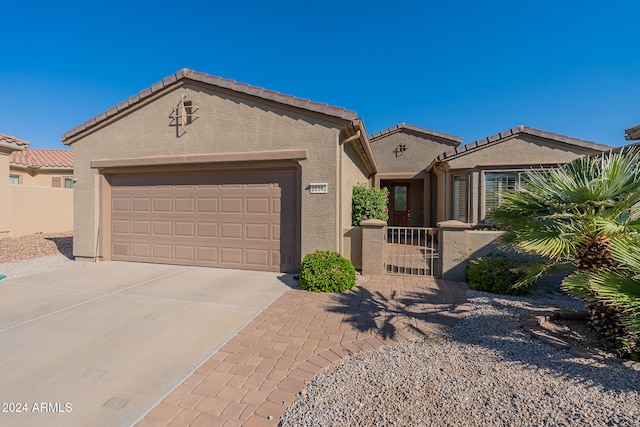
x=468 y=68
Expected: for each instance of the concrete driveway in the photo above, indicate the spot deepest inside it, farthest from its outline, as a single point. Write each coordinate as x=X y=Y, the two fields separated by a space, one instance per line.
x=101 y=344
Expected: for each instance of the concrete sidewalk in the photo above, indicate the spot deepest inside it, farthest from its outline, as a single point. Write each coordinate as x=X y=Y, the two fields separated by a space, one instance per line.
x=100 y=344
x=254 y=378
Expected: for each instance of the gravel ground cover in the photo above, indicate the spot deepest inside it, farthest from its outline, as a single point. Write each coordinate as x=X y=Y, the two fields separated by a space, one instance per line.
x=485 y=371
x=35 y=253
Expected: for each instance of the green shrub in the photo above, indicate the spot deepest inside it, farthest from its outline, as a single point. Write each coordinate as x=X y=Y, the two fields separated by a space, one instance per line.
x=495 y=273
x=326 y=271
x=369 y=203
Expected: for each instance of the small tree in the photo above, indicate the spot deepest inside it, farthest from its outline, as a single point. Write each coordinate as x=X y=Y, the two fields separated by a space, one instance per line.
x=369 y=203
x=586 y=215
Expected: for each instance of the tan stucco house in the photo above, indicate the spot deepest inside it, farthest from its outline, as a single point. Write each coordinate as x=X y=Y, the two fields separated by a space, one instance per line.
x=200 y=170
x=42 y=167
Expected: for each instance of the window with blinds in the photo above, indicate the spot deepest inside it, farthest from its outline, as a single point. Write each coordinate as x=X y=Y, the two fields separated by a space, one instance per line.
x=459 y=198
x=495 y=184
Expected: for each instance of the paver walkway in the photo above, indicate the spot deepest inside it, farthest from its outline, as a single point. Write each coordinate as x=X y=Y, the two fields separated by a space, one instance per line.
x=254 y=378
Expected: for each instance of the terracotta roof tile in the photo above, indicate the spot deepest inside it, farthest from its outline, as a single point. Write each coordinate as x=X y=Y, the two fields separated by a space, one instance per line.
x=12 y=140
x=197 y=76
x=453 y=140
x=42 y=158
x=472 y=146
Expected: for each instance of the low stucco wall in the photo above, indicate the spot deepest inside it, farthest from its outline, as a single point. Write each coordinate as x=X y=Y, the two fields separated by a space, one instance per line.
x=40 y=210
x=458 y=244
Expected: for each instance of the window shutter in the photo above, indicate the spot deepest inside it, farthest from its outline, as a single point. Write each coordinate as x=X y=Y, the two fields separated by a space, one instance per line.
x=56 y=182
x=459 y=201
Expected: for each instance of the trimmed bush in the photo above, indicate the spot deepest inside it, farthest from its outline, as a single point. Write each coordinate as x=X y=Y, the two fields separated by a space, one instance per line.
x=326 y=271
x=495 y=273
x=369 y=203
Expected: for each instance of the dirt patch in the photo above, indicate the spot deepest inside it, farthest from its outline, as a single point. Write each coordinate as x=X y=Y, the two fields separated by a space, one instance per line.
x=579 y=333
x=14 y=249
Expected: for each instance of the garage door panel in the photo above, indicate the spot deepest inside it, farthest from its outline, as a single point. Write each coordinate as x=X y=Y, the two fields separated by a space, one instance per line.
x=257 y=257
x=121 y=226
x=207 y=205
x=142 y=250
x=208 y=229
x=141 y=205
x=257 y=231
x=184 y=253
x=184 y=204
x=141 y=228
x=231 y=256
x=162 y=204
x=231 y=205
x=162 y=228
x=219 y=219
x=231 y=230
x=162 y=251
x=121 y=204
x=257 y=205
x=185 y=229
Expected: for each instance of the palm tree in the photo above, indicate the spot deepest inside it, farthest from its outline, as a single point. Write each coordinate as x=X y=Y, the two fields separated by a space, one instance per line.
x=585 y=215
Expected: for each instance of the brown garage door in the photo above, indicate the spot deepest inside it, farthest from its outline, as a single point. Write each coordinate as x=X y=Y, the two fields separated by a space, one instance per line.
x=217 y=219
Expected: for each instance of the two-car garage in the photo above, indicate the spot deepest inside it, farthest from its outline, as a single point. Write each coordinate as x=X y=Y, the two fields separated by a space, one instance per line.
x=236 y=219
x=204 y=171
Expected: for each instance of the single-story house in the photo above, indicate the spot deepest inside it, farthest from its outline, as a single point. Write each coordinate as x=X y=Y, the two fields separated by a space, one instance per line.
x=42 y=167
x=200 y=170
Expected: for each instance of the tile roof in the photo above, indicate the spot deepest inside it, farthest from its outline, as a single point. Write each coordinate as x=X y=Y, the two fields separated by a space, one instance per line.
x=454 y=140
x=243 y=88
x=473 y=146
x=42 y=158
x=632 y=133
x=12 y=140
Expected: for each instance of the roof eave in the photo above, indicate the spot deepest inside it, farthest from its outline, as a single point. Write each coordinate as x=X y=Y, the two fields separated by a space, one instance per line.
x=305 y=106
x=447 y=138
x=632 y=133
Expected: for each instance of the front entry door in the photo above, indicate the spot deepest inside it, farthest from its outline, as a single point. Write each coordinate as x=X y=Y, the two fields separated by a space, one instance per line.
x=399 y=213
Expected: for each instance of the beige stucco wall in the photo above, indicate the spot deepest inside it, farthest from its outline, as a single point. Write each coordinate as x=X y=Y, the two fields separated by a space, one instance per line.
x=40 y=210
x=226 y=123
x=514 y=154
x=350 y=173
x=42 y=178
x=5 y=211
x=421 y=150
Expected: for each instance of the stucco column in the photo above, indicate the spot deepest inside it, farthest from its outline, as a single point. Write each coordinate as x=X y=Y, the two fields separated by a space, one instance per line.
x=452 y=250
x=373 y=247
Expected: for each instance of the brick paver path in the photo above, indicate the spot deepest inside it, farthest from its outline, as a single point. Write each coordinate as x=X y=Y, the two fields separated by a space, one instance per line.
x=254 y=378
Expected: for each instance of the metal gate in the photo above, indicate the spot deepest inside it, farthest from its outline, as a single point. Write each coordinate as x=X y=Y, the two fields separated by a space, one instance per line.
x=412 y=251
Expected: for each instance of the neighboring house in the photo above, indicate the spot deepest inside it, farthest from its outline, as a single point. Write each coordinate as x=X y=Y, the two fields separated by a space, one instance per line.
x=33 y=193
x=470 y=178
x=8 y=145
x=402 y=152
x=199 y=170
x=46 y=168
